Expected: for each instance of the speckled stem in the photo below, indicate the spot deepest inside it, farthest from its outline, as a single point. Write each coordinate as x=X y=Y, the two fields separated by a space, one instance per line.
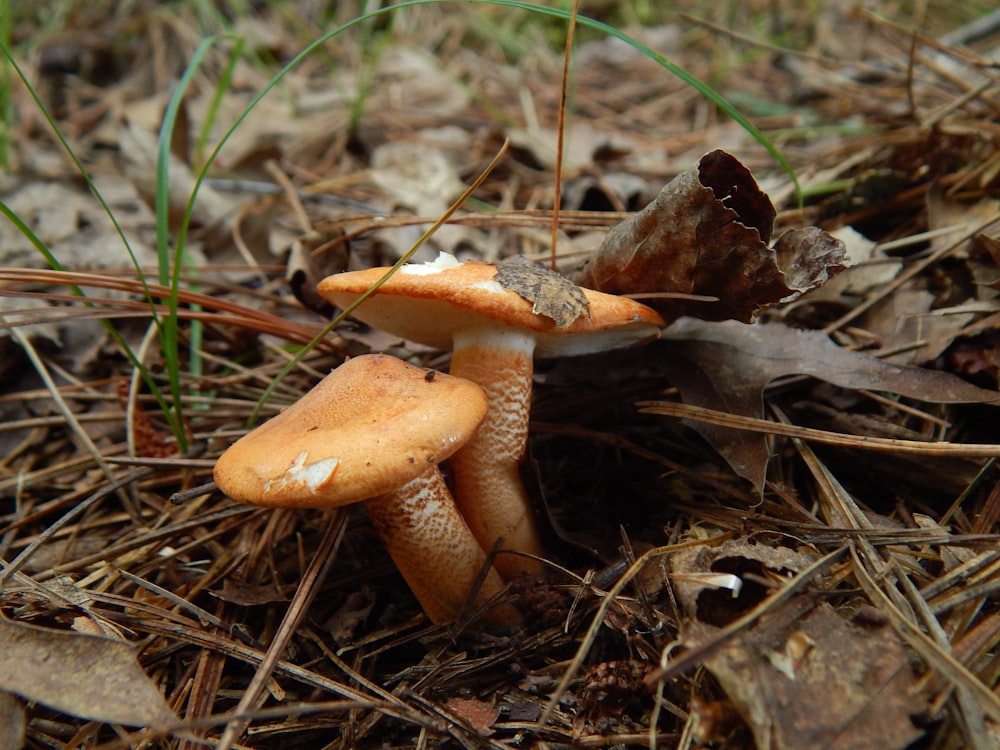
x=434 y=549
x=488 y=486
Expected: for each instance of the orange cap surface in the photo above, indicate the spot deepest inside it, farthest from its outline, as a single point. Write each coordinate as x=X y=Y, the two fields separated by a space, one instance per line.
x=369 y=427
x=430 y=302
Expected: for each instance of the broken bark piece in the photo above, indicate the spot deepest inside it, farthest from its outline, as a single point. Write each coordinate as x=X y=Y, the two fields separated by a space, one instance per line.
x=551 y=294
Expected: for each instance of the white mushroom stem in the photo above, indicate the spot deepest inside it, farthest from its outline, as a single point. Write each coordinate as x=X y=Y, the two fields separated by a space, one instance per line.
x=434 y=549
x=488 y=486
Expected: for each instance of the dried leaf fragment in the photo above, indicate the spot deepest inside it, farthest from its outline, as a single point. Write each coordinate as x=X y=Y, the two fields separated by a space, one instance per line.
x=551 y=294
x=12 y=721
x=88 y=676
x=805 y=677
x=726 y=366
x=690 y=574
x=480 y=715
x=707 y=233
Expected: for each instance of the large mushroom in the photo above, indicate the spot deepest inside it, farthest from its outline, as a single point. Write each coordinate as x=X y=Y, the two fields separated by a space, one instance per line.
x=494 y=334
x=375 y=430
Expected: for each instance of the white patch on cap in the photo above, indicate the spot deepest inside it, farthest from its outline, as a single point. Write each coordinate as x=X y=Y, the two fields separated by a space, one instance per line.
x=313 y=475
x=490 y=285
x=443 y=262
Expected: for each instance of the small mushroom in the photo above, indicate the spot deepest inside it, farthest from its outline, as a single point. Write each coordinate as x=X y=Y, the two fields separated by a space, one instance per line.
x=494 y=334
x=375 y=430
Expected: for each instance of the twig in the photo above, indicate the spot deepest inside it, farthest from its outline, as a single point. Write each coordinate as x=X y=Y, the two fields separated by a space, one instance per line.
x=71 y=420
x=304 y=595
x=753 y=424
x=114 y=485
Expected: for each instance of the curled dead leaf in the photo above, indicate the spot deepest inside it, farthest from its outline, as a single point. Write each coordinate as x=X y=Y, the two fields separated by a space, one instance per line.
x=702 y=599
x=707 y=233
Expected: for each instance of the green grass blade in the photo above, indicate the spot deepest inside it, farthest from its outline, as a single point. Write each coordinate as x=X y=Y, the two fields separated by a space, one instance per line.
x=54 y=263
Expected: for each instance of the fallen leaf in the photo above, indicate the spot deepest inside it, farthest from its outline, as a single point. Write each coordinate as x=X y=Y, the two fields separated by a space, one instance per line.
x=12 y=721
x=805 y=677
x=306 y=268
x=551 y=294
x=343 y=624
x=707 y=233
x=248 y=595
x=809 y=257
x=582 y=143
x=415 y=175
x=74 y=227
x=750 y=562
x=907 y=324
x=139 y=148
x=726 y=366
x=88 y=676
x=480 y=715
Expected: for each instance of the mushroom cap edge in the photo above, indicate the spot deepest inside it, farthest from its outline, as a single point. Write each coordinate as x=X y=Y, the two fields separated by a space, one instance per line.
x=428 y=303
x=369 y=427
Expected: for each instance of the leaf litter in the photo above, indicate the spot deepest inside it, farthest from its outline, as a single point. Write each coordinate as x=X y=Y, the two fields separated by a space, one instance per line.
x=870 y=319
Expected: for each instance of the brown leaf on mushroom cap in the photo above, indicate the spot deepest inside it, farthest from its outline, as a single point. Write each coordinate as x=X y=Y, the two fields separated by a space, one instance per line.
x=707 y=233
x=551 y=293
x=430 y=302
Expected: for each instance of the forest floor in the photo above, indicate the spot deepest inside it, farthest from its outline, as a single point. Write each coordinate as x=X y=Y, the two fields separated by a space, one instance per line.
x=775 y=526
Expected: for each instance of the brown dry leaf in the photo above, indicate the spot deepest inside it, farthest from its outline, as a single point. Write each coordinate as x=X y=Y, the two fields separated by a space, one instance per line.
x=480 y=715
x=344 y=624
x=73 y=225
x=306 y=268
x=804 y=677
x=907 y=323
x=706 y=233
x=693 y=575
x=582 y=143
x=726 y=366
x=83 y=675
x=248 y=595
x=550 y=293
x=944 y=213
x=12 y=721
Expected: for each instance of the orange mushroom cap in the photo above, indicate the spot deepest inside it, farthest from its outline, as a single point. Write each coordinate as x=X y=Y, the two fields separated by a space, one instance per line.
x=431 y=303
x=367 y=428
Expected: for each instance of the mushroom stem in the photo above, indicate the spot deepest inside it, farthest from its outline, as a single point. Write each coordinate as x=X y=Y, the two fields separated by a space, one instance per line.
x=434 y=550
x=488 y=487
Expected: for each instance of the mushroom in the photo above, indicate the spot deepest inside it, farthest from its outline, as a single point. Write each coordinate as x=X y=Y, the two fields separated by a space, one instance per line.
x=494 y=334
x=375 y=430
